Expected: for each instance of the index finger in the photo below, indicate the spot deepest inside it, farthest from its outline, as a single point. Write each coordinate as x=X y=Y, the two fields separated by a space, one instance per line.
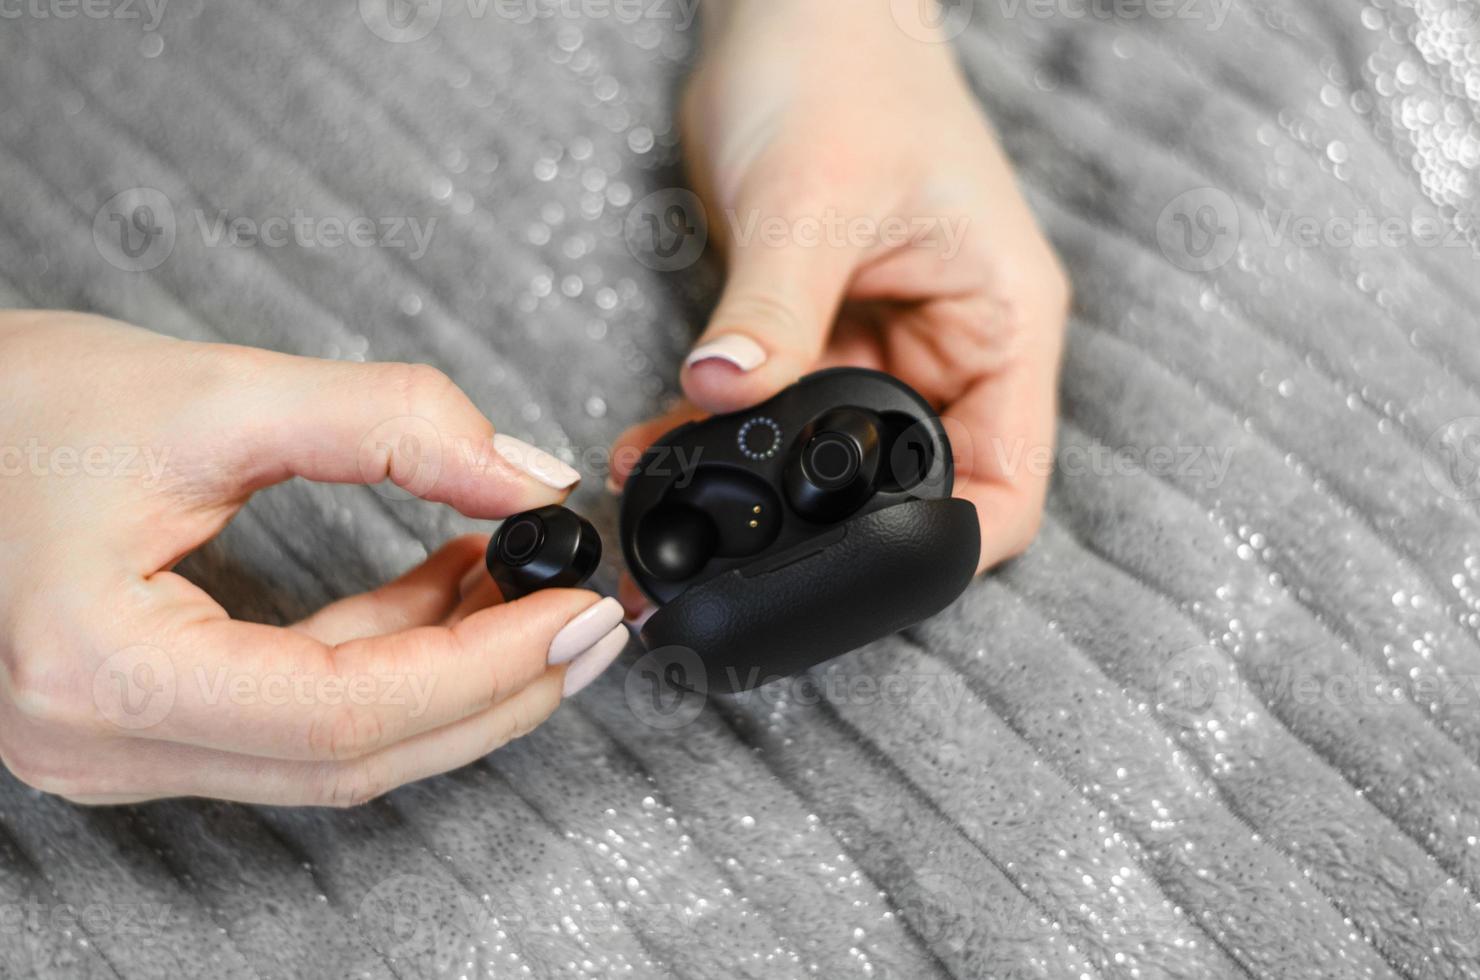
x=409 y=424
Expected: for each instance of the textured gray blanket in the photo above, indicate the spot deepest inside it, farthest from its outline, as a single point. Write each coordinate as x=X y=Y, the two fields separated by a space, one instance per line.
x=1223 y=720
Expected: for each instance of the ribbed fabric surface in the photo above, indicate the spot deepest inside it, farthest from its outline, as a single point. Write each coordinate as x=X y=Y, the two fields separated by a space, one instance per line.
x=1222 y=720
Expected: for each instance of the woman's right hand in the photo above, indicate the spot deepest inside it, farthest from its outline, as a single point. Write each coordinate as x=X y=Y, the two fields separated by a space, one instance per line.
x=122 y=450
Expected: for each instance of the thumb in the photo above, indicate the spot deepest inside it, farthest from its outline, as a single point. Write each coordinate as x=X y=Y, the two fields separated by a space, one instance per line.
x=774 y=316
x=345 y=422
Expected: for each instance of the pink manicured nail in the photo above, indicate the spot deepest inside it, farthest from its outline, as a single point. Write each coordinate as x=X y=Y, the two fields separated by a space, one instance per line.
x=590 y=665
x=734 y=348
x=535 y=462
x=585 y=631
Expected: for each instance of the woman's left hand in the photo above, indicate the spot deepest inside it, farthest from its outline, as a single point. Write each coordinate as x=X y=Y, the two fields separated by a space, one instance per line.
x=868 y=217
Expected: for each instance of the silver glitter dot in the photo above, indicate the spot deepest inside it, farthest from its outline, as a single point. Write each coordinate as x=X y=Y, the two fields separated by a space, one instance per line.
x=640 y=140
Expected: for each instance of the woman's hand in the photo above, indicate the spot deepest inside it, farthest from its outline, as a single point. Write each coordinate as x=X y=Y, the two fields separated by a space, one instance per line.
x=121 y=451
x=869 y=218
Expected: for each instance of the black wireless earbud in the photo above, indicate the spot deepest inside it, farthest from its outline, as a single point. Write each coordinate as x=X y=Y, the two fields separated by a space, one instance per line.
x=549 y=548
x=833 y=473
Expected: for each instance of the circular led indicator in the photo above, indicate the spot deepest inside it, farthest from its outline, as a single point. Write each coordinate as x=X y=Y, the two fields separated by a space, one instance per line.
x=760 y=438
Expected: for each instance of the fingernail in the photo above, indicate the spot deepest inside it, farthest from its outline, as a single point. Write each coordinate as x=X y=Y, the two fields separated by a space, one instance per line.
x=581 y=633
x=736 y=348
x=478 y=573
x=590 y=665
x=535 y=462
